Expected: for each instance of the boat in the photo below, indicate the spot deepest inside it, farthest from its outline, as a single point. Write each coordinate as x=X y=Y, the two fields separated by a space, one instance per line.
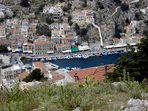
x=85 y=56
x=104 y=53
x=78 y=56
x=68 y=68
x=49 y=58
x=53 y=58
x=75 y=68
x=42 y=59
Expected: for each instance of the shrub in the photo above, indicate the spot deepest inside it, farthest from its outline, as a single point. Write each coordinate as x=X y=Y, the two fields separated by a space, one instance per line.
x=124 y=7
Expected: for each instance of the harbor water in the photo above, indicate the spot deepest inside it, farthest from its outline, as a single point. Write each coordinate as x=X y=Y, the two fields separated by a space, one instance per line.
x=89 y=62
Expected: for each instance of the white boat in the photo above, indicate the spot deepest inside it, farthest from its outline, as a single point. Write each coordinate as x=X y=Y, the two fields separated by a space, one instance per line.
x=78 y=56
x=53 y=58
x=68 y=68
x=42 y=59
x=75 y=68
x=85 y=56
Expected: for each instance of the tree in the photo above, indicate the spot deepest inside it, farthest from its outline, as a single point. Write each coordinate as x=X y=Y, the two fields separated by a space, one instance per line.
x=70 y=20
x=124 y=7
x=35 y=75
x=43 y=29
x=117 y=1
x=138 y=16
x=76 y=27
x=99 y=5
x=3 y=49
x=67 y=7
x=84 y=3
x=134 y=63
x=24 y=3
x=39 y=9
x=118 y=30
x=49 y=20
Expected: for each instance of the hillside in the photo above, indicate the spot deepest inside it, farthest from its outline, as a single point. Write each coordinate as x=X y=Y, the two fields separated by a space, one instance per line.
x=112 y=16
x=90 y=96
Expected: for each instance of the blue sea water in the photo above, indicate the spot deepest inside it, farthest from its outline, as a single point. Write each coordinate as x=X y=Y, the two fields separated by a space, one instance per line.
x=89 y=62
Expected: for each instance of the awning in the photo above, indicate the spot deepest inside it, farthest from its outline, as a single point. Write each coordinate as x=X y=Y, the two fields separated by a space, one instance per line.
x=74 y=49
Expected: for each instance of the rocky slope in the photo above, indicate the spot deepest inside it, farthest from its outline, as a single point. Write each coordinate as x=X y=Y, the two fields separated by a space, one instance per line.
x=114 y=15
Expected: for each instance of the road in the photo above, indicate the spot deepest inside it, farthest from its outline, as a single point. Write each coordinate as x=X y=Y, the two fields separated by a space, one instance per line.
x=100 y=34
x=116 y=10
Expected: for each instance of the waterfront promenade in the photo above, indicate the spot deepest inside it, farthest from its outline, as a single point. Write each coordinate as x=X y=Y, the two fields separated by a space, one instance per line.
x=83 y=54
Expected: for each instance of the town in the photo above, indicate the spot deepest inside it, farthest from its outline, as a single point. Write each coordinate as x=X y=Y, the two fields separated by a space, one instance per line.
x=73 y=55
x=62 y=33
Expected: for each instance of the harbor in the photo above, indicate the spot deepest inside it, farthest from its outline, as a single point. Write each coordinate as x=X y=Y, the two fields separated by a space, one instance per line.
x=79 y=55
x=93 y=61
x=80 y=62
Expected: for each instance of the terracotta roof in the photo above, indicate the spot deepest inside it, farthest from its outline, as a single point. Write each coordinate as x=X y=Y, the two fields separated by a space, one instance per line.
x=4 y=41
x=59 y=45
x=97 y=72
x=41 y=66
x=23 y=75
x=56 y=76
x=2 y=26
x=43 y=42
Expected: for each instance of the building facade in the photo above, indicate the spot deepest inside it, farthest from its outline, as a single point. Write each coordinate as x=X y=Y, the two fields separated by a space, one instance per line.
x=82 y=16
x=10 y=72
x=43 y=47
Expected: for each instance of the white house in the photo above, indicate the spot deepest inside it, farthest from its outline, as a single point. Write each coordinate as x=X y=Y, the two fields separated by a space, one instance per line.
x=10 y=72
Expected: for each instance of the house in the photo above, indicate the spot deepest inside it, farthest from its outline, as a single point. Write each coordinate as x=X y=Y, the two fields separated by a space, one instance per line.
x=43 y=47
x=16 y=45
x=3 y=7
x=41 y=38
x=131 y=28
x=13 y=22
x=14 y=26
x=2 y=15
x=56 y=11
x=4 y=41
x=62 y=35
x=61 y=26
x=27 y=47
x=32 y=28
x=2 y=31
x=62 y=47
x=98 y=73
x=76 y=4
x=10 y=72
x=57 y=34
x=82 y=17
x=24 y=28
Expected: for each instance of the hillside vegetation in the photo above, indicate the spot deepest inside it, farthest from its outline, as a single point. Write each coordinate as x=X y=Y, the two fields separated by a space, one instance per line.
x=90 y=96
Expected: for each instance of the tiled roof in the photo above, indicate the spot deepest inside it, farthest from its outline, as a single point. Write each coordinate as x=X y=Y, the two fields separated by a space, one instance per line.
x=23 y=75
x=43 y=42
x=41 y=66
x=4 y=41
x=97 y=72
x=56 y=76
x=59 y=45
